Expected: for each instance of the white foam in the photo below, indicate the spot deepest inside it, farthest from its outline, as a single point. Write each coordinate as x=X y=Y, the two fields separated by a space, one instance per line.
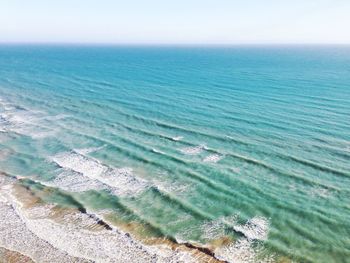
x=166 y=254
x=85 y=151
x=216 y=229
x=213 y=230
x=15 y=235
x=213 y=158
x=242 y=251
x=76 y=182
x=157 y=151
x=195 y=150
x=25 y=122
x=245 y=249
x=2 y=198
x=177 y=138
x=74 y=237
x=57 y=117
x=172 y=187
x=256 y=228
x=35 y=134
x=121 y=180
x=320 y=192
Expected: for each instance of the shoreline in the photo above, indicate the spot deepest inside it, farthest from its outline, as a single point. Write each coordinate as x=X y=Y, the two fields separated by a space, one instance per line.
x=21 y=215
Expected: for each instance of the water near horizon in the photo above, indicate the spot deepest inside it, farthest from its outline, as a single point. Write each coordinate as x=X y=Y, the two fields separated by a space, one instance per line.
x=242 y=149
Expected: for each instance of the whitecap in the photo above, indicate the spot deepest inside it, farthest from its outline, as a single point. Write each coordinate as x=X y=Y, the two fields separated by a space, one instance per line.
x=213 y=158
x=48 y=235
x=195 y=150
x=213 y=230
x=24 y=122
x=177 y=138
x=121 y=180
x=75 y=182
x=216 y=228
x=245 y=249
x=320 y=192
x=85 y=151
x=157 y=151
x=256 y=228
x=242 y=251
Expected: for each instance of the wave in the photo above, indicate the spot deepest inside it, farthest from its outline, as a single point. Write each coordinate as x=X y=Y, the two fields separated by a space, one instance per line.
x=193 y=150
x=157 y=151
x=48 y=233
x=26 y=122
x=243 y=251
x=15 y=234
x=121 y=180
x=215 y=229
x=75 y=182
x=177 y=138
x=85 y=151
x=255 y=228
x=213 y=158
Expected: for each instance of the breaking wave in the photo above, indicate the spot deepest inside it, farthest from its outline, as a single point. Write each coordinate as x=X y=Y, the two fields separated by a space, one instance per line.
x=121 y=180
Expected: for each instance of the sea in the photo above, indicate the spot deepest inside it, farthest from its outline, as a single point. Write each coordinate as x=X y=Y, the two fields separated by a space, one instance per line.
x=175 y=153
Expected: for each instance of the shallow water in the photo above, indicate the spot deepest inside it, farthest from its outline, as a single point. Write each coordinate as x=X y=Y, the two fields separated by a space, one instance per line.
x=193 y=144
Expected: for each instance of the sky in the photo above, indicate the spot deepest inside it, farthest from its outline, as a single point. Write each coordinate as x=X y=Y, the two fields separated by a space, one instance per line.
x=175 y=22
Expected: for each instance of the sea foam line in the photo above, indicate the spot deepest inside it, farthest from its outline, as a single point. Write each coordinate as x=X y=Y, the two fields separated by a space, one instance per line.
x=256 y=228
x=121 y=180
x=245 y=249
x=72 y=181
x=195 y=150
x=213 y=158
x=25 y=122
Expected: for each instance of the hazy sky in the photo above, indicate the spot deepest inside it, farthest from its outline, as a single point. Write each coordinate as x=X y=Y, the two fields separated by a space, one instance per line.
x=176 y=21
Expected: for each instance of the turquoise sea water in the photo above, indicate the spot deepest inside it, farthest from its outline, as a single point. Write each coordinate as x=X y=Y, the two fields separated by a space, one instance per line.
x=193 y=143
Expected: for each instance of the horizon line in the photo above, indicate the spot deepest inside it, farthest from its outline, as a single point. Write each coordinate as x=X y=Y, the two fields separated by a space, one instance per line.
x=68 y=43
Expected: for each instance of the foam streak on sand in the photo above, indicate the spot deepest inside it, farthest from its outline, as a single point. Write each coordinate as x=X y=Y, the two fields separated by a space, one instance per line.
x=121 y=180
